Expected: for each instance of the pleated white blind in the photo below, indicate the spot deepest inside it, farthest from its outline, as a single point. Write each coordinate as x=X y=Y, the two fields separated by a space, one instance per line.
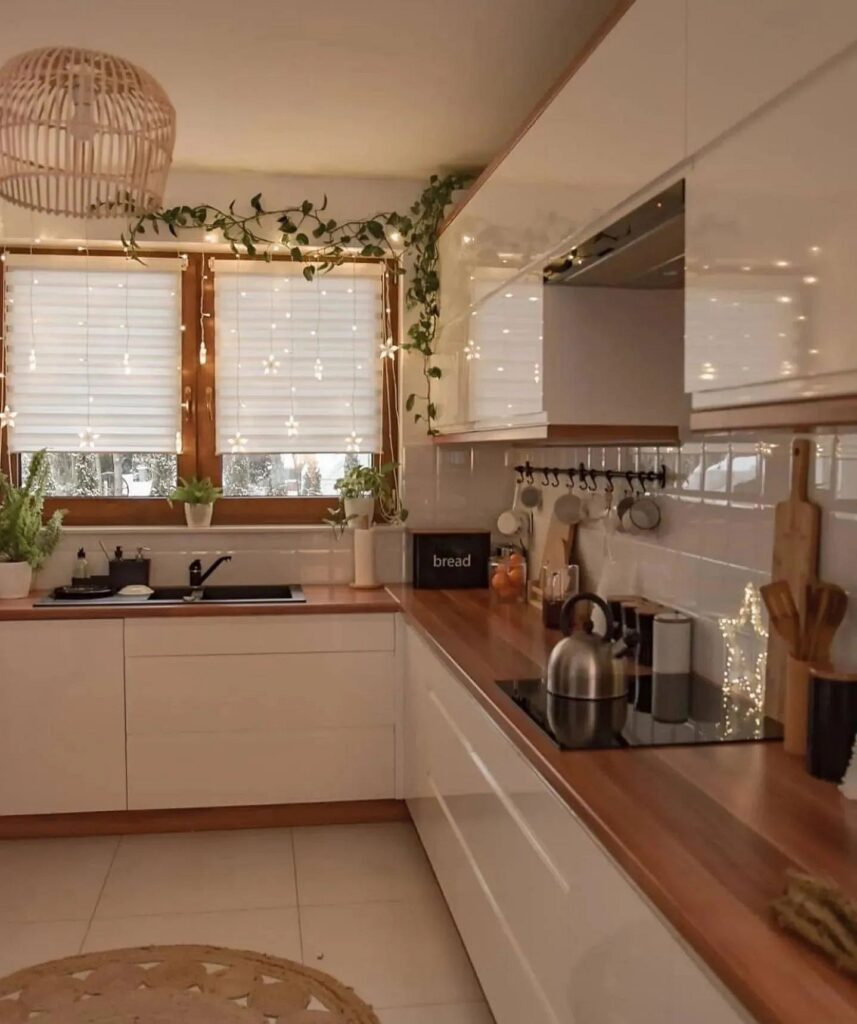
x=93 y=353
x=298 y=363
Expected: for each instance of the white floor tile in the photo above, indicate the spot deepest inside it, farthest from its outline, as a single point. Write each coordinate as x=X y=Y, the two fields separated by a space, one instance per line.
x=275 y=931
x=25 y=943
x=460 y=1013
x=198 y=871
x=361 y=864
x=52 y=879
x=392 y=954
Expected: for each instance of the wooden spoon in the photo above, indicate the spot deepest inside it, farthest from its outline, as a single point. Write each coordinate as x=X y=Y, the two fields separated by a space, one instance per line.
x=782 y=609
x=826 y=604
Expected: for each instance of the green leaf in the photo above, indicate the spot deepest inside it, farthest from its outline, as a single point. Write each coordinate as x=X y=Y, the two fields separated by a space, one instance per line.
x=309 y=272
x=302 y=239
x=256 y=202
x=409 y=403
x=375 y=229
x=434 y=371
x=323 y=203
x=295 y=253
x=431 y=408
x=306 y=207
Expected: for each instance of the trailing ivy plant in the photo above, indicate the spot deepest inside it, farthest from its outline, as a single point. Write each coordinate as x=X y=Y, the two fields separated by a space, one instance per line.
x=308 y=236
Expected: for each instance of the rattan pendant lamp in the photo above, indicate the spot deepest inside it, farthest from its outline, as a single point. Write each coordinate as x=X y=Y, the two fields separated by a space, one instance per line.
x=81 y=129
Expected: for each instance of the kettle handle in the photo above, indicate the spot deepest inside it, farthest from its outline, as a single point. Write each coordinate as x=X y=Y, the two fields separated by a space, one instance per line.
x=565 y=613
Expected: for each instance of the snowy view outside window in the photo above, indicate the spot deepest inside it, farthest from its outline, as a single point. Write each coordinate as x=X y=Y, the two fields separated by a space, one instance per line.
x=147 y=475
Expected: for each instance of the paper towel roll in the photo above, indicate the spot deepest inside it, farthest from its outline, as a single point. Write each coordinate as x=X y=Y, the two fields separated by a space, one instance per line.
x=364 y=558
x=671 y=653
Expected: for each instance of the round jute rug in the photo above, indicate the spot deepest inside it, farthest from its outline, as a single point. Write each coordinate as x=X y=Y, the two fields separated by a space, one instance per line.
x=178 y=985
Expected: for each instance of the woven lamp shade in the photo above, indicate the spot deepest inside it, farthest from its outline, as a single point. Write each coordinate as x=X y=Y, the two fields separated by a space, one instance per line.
x=79 y=129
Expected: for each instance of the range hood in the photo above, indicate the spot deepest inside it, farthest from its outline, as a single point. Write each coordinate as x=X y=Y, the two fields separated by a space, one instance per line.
x=643 y=249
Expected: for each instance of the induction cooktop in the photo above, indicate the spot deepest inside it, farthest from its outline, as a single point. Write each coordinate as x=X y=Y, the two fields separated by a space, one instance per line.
x=658 y=711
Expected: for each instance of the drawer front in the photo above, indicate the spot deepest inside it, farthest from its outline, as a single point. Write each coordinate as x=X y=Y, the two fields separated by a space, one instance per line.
x=245 y=768
x=503 y=973
x=264 y=634
x=259 y=692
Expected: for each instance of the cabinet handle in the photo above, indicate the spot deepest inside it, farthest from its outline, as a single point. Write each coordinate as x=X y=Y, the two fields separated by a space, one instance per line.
x=187 y=404
x=209 y=402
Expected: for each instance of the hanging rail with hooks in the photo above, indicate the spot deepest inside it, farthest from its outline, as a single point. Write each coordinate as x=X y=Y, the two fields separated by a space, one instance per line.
x=587 y=478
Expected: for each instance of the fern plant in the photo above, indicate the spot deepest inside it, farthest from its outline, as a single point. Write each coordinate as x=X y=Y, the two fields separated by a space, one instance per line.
x=195 y=492
x=24 y=535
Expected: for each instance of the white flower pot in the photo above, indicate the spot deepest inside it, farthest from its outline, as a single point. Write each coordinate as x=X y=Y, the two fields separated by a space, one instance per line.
x=360 y=507
x=16 y=578
x=198 y=515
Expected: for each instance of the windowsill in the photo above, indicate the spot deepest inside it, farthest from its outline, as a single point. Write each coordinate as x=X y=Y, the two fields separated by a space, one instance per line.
x=214 y=528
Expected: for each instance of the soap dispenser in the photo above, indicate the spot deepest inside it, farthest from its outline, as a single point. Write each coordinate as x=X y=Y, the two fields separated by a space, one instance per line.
x=81 y=566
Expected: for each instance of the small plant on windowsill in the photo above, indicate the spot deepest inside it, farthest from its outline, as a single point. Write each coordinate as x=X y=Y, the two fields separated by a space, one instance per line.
x=26 y=539
x=199 y=497
x=360 y=489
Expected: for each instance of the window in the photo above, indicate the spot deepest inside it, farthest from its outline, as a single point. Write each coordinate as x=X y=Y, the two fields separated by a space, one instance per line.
x=133 y=375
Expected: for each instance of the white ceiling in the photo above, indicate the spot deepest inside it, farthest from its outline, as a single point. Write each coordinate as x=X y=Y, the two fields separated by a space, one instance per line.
x=343 y=87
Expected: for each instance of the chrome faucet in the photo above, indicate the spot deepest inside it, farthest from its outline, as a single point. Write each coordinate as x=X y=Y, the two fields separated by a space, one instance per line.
x=197 y=576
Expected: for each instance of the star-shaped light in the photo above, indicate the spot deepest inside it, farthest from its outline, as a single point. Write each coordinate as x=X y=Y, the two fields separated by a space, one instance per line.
x=271 y=364
x=292 y=426
x=318 y=370
x=353 y=442
x=471 y=351
x=7 y=418
x=388 y=349
x=238 y=443
x=88 y=437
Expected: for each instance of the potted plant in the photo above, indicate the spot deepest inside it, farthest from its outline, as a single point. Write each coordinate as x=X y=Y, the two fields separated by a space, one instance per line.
x=361 y=487
x=25 y=539
x=199 y=497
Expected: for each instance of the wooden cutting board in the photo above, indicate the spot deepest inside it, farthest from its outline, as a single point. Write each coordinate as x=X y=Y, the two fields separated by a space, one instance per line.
x=797 y=528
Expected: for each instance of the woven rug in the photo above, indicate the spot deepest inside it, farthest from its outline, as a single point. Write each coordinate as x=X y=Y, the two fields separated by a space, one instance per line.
x=178 y=985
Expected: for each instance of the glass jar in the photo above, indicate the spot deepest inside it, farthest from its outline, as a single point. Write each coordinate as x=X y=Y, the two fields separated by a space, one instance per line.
x=507 y=577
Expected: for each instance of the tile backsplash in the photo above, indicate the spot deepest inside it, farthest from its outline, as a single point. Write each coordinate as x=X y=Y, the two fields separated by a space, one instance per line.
x=716 y=533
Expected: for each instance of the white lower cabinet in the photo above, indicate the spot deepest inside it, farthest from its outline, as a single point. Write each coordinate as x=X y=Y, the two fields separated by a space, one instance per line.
x=557 y=933
x=62 y=728
x=263 y=710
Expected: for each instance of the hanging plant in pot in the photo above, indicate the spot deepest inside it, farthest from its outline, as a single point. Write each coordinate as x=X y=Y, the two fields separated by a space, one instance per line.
x=26 y=539
x=199 y=497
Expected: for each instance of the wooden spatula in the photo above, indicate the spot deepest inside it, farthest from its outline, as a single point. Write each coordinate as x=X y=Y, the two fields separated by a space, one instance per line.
x=782 y=609
x=826 y=604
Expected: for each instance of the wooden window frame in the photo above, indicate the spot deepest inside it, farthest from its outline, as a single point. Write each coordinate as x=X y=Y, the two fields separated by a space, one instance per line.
x=199 y=422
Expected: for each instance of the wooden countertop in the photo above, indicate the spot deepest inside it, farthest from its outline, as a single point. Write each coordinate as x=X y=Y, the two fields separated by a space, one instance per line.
x=319 y=600
x=706 y=832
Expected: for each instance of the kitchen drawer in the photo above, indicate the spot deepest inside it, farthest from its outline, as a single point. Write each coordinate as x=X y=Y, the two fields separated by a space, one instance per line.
x=245 y=768
x=236 y=693
x=267 y=634
x=503 y=973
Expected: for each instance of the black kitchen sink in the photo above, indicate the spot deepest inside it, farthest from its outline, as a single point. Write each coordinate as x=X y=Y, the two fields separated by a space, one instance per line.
x=242 y=594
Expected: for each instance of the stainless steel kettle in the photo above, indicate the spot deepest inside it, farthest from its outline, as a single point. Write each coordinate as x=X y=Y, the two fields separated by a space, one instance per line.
x=584 y=664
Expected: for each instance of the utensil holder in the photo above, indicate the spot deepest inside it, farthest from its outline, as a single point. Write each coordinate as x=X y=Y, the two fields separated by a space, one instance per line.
x=126 y=572
x=832 y=723
x=796 y=711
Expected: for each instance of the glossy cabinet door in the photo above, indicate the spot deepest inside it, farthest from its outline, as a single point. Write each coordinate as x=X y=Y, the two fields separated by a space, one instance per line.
x=556 y=932
x=743 y=53
x=770 y=298
x=62 y=717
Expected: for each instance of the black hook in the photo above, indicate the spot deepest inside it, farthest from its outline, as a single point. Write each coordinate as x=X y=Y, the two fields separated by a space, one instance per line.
x=555 y=474
x=629 y=476
x=571 y=473
x=609 y=488
x=545 y=477
x=593 y=476
x=585 y=484
x=528 y=472
x=520 y=471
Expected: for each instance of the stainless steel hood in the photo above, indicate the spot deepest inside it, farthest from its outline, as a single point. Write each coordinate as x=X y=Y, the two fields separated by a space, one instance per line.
x=643 y=249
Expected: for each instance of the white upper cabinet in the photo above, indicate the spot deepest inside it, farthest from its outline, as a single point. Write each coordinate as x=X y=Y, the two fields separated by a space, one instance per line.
x=771 y=306
x=616 y=126
x=743 y=53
